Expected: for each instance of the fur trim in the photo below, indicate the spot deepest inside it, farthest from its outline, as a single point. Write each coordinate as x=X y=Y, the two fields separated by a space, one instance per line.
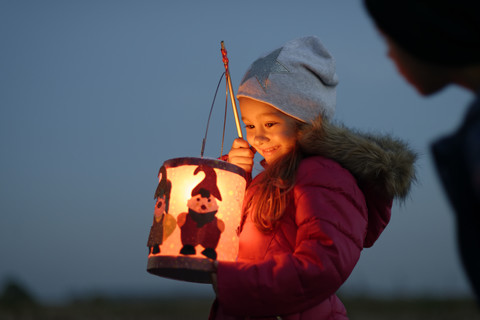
x=380 y=162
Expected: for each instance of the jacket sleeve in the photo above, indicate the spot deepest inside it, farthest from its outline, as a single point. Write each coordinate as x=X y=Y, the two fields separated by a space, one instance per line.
x=331 y=224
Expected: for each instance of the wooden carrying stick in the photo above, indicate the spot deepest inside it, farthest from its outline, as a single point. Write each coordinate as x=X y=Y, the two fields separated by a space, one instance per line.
x=230 y=89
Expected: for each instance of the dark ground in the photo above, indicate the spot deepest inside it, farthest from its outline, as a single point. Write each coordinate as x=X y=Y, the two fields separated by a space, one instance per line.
x=198 y=308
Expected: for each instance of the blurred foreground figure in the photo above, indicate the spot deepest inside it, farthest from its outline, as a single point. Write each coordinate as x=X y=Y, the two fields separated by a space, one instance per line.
x=435 y=43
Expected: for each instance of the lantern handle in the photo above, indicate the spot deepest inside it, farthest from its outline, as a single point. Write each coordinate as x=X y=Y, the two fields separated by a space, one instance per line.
x=230 y=89
x=210 y=115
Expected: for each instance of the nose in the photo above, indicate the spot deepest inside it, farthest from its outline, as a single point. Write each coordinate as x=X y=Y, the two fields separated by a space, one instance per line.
x=259 y=137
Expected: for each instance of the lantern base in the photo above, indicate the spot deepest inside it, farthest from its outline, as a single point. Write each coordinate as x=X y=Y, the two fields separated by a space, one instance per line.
x=189 y=269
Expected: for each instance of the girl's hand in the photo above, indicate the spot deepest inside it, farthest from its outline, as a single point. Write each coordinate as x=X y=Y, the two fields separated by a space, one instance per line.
x=241 y=154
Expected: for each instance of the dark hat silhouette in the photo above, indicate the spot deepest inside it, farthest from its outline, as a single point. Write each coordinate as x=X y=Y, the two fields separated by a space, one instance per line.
x=208 y=185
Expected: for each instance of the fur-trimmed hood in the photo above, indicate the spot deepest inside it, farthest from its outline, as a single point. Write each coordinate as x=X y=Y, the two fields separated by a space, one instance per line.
x=382 y=165
x=380 y=161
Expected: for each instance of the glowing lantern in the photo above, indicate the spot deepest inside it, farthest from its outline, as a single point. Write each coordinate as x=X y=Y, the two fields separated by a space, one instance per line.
x=197 y=212
x=196 y=216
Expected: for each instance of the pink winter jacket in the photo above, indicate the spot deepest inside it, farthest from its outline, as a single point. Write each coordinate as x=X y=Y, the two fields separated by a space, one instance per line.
x=294 y=272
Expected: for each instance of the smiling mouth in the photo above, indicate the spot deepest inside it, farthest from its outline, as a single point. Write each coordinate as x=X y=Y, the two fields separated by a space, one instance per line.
x=269 y=150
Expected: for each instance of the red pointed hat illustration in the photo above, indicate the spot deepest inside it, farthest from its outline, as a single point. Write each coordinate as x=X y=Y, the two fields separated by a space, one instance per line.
x=208 y=186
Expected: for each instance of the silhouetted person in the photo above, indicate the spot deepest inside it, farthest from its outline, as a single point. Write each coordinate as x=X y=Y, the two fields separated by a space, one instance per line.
x=435 y=43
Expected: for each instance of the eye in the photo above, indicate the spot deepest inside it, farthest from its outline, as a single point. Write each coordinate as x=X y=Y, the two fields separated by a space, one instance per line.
x=270 y=124
x=249 y=126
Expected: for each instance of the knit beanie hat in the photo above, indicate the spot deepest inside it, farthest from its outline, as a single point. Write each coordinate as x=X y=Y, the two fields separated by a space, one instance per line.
x=298 y=79
x=445 y=32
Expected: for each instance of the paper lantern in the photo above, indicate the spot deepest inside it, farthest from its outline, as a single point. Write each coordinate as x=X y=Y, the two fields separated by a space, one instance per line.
x=196 y=217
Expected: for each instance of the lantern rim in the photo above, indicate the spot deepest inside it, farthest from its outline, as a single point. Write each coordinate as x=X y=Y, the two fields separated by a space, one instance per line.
x=214 y=163
x=191 y=269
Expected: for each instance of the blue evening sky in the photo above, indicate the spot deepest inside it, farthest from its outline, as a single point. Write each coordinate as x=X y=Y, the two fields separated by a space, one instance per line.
x=95 y=95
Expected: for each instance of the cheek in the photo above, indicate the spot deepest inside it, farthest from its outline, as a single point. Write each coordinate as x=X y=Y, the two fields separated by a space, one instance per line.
x=196 y=206
x=250 y=137
x=212 y=206
x=289 y=145
x=289 y=138
x=192 y=203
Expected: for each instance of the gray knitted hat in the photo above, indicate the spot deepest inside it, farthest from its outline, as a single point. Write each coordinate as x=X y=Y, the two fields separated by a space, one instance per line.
x=298 y=79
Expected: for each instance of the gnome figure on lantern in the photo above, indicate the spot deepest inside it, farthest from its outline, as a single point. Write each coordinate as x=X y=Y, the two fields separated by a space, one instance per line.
x=163 y=222
x=200 y=225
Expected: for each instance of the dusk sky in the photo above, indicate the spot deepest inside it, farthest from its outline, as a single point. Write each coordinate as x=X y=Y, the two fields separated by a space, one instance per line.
x=96 y=95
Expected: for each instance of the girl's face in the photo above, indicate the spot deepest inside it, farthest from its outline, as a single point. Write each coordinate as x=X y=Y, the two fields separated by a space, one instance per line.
x=270 y=131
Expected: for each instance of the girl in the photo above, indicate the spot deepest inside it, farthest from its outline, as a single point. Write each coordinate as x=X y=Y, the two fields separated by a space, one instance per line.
x=325 y=193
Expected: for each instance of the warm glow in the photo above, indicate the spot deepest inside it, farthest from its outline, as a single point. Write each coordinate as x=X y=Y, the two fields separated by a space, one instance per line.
x=216 y=190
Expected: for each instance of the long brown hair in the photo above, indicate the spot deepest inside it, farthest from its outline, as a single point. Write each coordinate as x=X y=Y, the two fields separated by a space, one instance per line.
x=272 y=189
